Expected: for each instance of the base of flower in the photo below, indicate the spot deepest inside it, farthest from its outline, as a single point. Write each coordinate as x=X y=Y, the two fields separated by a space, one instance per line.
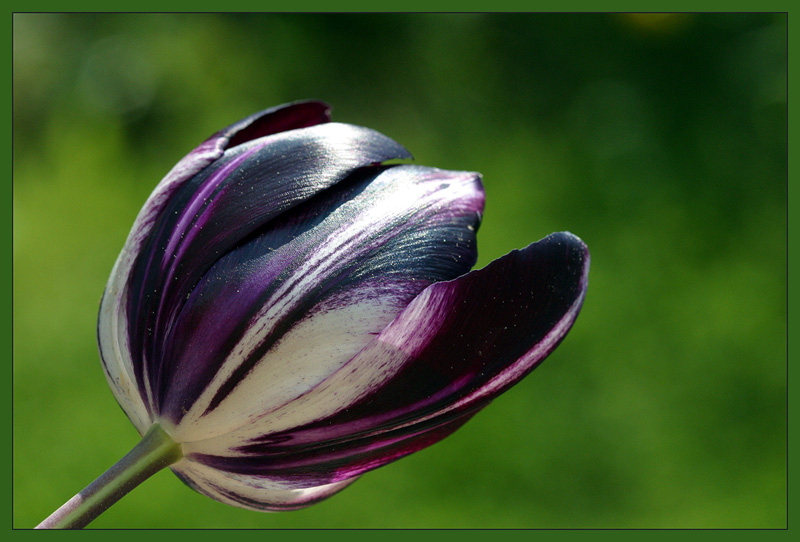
x=154 y=452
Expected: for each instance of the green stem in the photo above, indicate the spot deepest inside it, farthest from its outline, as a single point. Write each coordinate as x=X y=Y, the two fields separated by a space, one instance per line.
x=155 y=451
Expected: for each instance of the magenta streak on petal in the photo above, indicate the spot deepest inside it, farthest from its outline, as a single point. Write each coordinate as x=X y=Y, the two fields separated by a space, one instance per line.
x=340 y=253
x=528 y=300
x=482 y=344
x=369 y=454
x=203 y=155
x=336 y=259
x=322 y=250
x=190 y=165
x=309 y=466
x=194 y=214
x=294 y=168
x=136 y=312
x=187 y=229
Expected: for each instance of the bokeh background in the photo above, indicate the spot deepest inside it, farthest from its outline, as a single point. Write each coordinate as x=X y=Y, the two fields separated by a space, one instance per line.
x=660 y=139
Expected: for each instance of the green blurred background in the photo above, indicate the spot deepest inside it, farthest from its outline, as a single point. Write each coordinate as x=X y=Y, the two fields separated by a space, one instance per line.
x=659 y=139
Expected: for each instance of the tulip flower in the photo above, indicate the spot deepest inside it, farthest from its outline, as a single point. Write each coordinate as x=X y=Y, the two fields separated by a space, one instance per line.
x=289 y=311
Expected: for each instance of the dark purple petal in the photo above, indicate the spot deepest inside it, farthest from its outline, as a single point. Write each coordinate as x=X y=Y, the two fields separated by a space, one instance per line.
x=275 y=120
x=311 y=465
x=113 y=339
x=327 y=276
x=458 y=345
x=270 y=121
x=210 y=214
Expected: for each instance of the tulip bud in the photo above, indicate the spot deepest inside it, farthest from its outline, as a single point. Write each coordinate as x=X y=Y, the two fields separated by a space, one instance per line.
x=294 y=312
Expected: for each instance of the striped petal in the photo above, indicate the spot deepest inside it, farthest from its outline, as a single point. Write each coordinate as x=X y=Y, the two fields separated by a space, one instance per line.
x=253 y=492
x=304 y=296
x=112 y=327
x=455 y=347
x=213 y=211
x=250 y=185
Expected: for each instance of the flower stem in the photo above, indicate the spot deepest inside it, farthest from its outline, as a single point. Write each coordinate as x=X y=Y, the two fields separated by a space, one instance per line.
x=155 y=451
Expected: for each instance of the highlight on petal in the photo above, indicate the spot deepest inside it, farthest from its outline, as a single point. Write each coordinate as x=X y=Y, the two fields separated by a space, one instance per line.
x=253 y=492
x=222 y=205
x=205 y=217
x=315 y=287
x=271 y=121
x=455 y=347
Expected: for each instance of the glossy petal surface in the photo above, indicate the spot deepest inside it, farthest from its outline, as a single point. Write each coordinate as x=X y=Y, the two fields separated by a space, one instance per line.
x=112 y=328
x=314 y=288
x=454 y=348
x=250 y=185
x=208 y=215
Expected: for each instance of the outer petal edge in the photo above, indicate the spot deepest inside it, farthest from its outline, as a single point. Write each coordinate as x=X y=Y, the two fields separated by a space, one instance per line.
x=425 y=371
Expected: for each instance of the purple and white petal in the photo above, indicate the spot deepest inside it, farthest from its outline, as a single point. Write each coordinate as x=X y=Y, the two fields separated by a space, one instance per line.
x=112 y=324
x=458 y=345
x=313 y=466
x=257 y=493
x=305 y=296
x=211 y=213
